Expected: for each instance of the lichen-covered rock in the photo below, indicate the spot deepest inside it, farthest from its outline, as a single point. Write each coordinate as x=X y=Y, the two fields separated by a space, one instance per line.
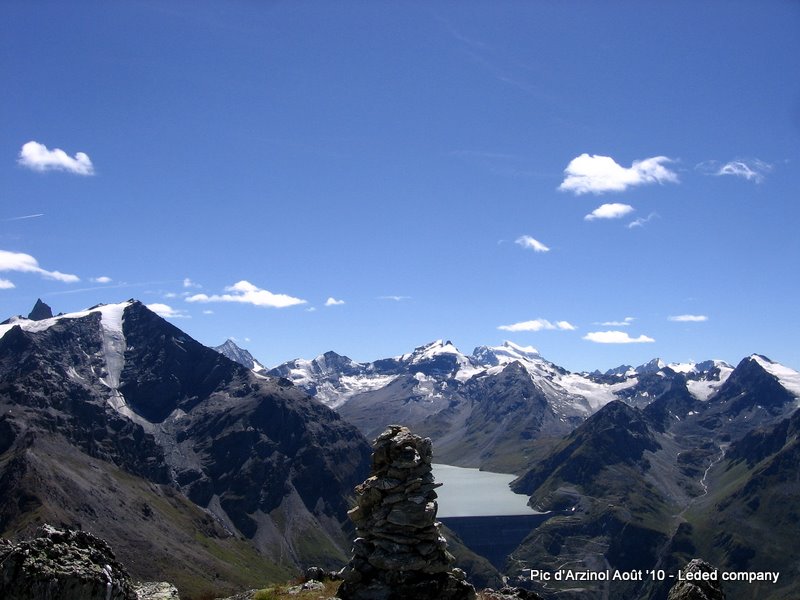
x=156 y=590
x=399 y=552
x=696 y=589
x=62 y=565
x=311 y=585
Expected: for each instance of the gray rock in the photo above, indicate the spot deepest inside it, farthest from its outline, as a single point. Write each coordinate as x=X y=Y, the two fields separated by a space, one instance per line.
x=62 y=565
x=311 y=585
x=156 y=590
x=697 y=590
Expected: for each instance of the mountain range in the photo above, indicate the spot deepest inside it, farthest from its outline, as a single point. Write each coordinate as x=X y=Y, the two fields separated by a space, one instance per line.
x=201 y=466
x=495 y=408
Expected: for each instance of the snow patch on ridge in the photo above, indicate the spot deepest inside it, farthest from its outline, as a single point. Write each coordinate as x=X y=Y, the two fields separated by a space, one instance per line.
x=111 y=318
x=788 y=378
x=114 y=346
x=334 y=396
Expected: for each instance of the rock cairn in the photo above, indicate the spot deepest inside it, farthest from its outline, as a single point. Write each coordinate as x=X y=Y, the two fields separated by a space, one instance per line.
x=399 y=552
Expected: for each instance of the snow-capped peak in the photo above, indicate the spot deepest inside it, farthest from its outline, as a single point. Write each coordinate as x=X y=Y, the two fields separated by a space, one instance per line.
x=788 y=378
x=431 y=351
x=653 y=366
x=506 y=353
x=689 y=367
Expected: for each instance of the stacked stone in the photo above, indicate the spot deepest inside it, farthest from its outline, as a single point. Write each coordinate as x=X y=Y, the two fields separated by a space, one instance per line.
x=399 y=552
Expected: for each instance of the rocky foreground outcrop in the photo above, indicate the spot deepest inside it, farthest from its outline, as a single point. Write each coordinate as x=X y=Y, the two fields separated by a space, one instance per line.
x=62 y=565
x=66 y=564
x=399 y=552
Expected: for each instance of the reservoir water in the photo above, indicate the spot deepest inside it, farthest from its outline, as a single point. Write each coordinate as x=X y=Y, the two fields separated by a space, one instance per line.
x=475 y=493
x=483 y=512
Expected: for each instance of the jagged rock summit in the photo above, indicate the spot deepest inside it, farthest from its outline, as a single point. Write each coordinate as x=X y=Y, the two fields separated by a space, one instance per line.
x=399 y=553
x=62 y=565
x=697 y=589
x=40 y=312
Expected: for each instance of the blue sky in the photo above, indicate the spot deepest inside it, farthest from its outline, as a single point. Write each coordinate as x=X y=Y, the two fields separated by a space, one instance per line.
x=606 y=182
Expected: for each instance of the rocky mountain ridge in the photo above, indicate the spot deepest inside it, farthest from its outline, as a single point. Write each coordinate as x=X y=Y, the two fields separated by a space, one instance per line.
x=114 y=420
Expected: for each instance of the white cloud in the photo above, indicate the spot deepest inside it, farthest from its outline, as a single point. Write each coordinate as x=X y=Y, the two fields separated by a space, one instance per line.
x=25 y=263
x=689 y=318
x=538 y=325
x=616 y=337
x=166 y=311
x=5 y=284
x=394 y=298
x=188 y=283
x=640 y=222
x=624 y=323
x=208 y=312
x=333 y=302
x=615 y=210
x=247 y=293
x=37 y=157
x=749 y=169
x=599 y=174
x=102 y=279
x=529 y=243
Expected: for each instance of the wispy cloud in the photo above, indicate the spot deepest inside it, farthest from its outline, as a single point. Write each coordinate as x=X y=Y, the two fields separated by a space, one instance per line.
x=246 y=293
x=688 y=318
x=394 y=298
x=166 y=311
x=624 y=323
x=25 y=263
x=38 y=157
x=23 y=217
x=101 y=279
x=596 y=174
x=115 y=286
x=500 y=66
x=530 y=243
x=616 y=337
x=641 y=221
x=188 y=283
x=538 y=325
x=615 y=210
x=750 y=169
x=333 y=302
x=5 y=284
